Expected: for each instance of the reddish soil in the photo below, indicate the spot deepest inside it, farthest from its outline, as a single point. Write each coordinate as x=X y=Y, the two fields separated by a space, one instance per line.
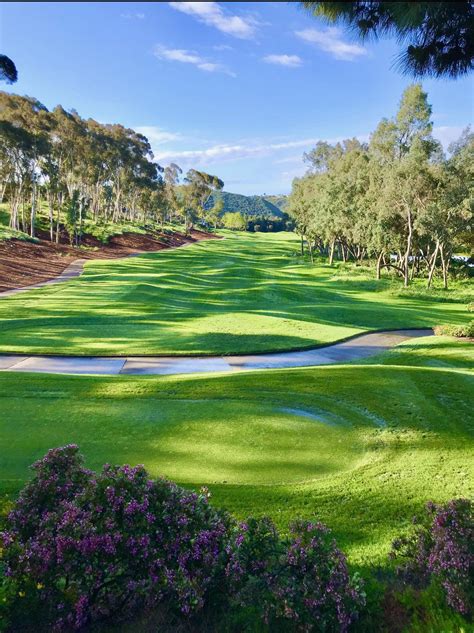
x=25 y=263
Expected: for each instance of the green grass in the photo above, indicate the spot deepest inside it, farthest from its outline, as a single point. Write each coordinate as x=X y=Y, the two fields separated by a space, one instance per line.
x=361 y=447
x=249 y=292
x=6 y=233
x=103 y=231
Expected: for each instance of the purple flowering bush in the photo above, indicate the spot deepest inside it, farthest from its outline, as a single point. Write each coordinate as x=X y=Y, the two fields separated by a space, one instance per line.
x=300 y=584
x=81 y=547
x=441 y=550
x=88 y=546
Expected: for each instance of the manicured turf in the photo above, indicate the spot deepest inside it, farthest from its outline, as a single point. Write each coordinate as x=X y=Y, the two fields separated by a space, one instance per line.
x=244 y=293
x=362 y=447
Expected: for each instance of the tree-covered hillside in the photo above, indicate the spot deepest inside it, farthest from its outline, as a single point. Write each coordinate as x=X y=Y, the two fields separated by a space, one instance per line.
x=280 y=201
x=256 y=206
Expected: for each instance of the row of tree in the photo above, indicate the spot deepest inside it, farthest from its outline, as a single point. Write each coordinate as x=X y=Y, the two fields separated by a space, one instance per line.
x=81 y=168
x=397 y=199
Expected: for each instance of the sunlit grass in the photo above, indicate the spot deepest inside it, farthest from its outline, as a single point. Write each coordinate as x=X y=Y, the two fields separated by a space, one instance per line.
x=361 y=447
x=243 y=293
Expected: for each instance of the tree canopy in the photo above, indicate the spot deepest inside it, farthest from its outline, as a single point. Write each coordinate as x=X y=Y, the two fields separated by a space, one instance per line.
x=436 y=38
x=397 y=198
x=8 y=71
x=84 y=169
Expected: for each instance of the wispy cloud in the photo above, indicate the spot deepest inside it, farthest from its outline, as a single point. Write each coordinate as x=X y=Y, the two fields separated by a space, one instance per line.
x=291 y=61
x=212 y=14
x=156 y=135
x=330 y=40
x=225 y=152
x=190 y=57
x=223 y=47
x=132 y=16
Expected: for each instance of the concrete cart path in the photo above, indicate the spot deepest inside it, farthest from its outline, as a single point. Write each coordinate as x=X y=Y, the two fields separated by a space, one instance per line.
x=356 y=348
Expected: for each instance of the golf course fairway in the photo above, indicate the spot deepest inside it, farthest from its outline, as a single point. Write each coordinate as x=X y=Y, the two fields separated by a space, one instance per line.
x=244 y=293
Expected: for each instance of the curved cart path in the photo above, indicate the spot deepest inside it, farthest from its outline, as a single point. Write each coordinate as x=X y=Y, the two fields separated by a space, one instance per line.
x=356 y=348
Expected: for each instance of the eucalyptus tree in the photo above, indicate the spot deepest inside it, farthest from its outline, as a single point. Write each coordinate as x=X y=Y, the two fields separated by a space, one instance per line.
x=171 y=175
x=397 y=199
x=16 y=152
x=198 y=188
x=400 y=150
x=105 y=172
x=31 y=116
x=234 y=221
x=215 y=212
x=448 y=222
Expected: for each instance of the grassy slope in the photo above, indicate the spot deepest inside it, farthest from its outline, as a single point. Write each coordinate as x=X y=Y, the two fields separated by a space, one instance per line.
x=362 y=447
x=244 y=293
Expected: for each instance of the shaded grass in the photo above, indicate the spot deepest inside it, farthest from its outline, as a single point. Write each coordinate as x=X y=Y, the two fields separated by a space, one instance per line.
x=361 y=447
x=244 y=293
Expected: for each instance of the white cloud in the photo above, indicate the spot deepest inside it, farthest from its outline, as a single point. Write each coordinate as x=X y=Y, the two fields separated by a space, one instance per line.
x=291 y=61
x=190 y=57
x=132 y=16
x=446 y=134
x=221 y=152
x=156 y=135
x=223 y=47
x=330 y=40
x=212 y=14
x=226 y=152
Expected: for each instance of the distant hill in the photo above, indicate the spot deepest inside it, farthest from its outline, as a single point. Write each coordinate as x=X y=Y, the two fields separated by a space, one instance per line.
x=280 y=201
x=259 y=206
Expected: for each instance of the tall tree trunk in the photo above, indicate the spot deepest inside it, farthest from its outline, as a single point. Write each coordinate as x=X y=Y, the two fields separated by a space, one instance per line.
x=379 y=264
x=331 y=252
x=433 y=264
x=51 y=215
x=58 y=219
x=445 y=259
x=3 y=190
x=406 y=268
x=33 y=211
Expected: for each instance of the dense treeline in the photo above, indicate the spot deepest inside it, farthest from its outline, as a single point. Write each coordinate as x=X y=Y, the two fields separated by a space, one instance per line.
x=81 y=168
x=397 y=199
x=236 y=221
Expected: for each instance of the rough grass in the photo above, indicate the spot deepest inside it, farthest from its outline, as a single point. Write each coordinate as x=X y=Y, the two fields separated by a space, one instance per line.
x=249 y=292
x=6 y=233
x=361 y=447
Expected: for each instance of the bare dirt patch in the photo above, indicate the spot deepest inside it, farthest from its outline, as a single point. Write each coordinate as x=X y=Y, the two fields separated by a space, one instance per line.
x=26 y=263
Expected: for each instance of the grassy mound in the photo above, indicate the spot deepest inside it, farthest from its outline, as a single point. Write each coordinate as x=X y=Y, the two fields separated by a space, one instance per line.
x=249 y=292
x=362 y=447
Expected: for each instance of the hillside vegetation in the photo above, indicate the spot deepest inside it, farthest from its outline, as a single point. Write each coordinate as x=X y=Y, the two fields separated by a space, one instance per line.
x=251 y=206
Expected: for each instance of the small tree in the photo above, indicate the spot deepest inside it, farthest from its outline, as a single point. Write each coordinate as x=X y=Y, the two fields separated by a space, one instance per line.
x=234 y=221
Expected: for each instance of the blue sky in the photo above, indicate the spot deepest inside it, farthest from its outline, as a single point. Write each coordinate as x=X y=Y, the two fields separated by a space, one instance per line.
x=238 y=89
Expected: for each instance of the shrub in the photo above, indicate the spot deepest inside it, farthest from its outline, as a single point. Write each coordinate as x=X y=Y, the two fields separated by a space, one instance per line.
x=80 y=547
x=466 y=330
x=302 y=584
x=441 y=551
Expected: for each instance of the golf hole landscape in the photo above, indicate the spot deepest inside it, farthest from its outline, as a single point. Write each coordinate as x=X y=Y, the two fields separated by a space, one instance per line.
x=224 y=412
